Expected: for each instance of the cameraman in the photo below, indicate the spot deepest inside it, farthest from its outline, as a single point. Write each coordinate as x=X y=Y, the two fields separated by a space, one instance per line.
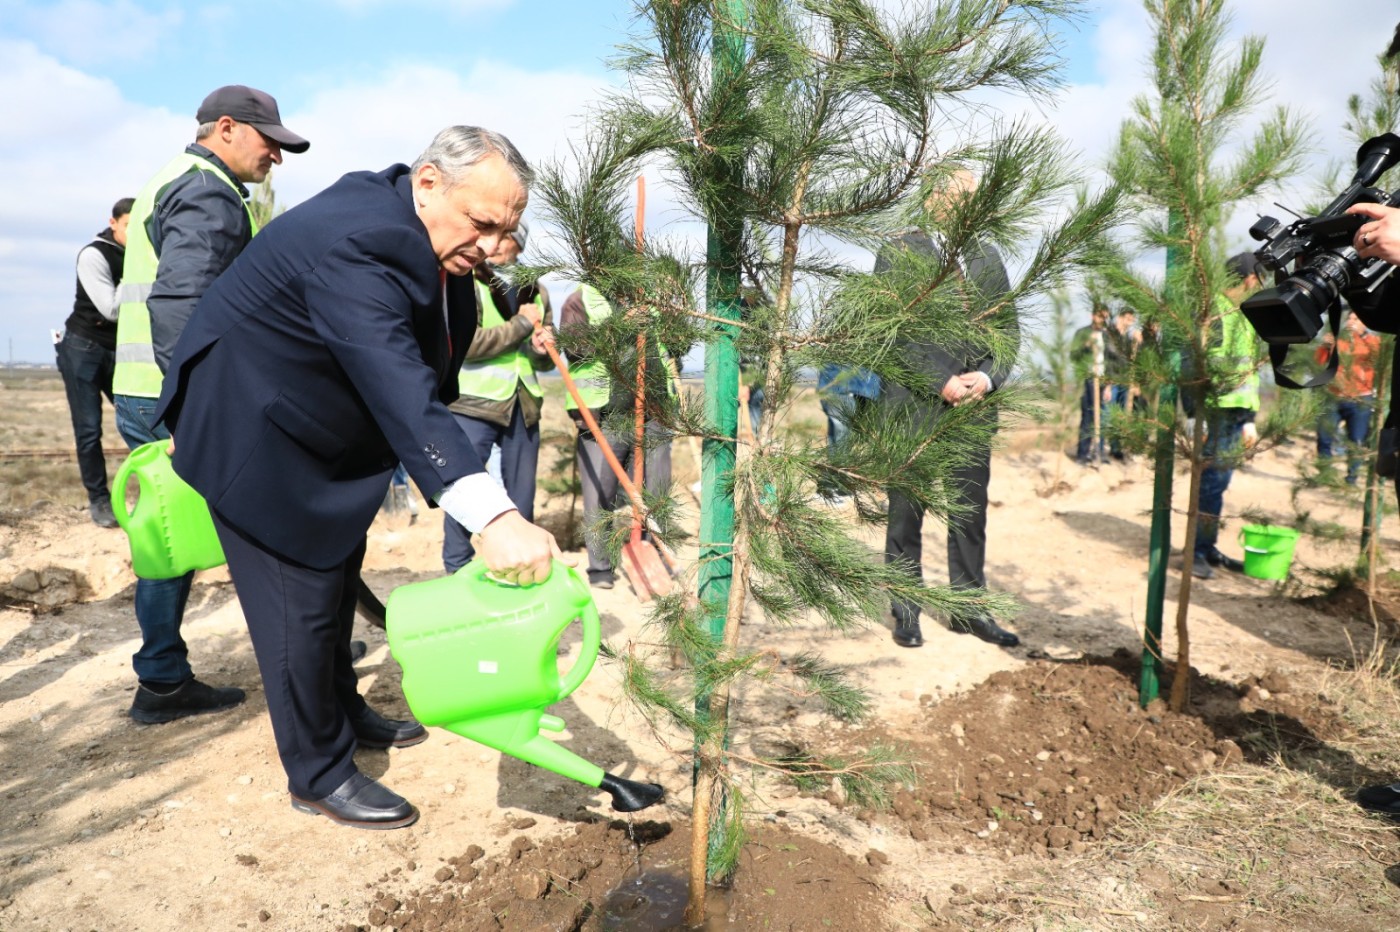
x=1379 y=237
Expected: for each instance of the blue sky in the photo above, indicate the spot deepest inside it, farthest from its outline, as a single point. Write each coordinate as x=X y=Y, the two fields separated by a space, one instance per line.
x=100 y=93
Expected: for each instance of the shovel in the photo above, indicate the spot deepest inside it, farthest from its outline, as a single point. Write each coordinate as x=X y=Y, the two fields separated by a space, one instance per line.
x=642 y=560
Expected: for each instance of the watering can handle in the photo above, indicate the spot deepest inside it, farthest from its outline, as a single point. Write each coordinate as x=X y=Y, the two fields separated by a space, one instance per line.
x=592 y=635
x=137 y=458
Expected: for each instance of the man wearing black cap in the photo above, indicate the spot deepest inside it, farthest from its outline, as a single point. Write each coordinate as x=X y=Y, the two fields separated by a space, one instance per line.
x=187 y=226
x=1232 y=401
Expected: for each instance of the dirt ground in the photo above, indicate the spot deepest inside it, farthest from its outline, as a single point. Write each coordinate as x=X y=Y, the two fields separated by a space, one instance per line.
x=1045 y=798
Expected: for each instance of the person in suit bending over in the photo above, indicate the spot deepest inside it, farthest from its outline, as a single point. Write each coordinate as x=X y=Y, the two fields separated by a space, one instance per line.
x=326 y=355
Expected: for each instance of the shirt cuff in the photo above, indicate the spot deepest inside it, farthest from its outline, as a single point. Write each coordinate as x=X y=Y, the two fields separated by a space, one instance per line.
x=475 y=501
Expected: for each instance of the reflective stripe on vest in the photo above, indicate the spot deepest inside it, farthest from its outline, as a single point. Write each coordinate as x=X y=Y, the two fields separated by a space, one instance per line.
x=495 y=379
x=591 y=377
x=137 y=373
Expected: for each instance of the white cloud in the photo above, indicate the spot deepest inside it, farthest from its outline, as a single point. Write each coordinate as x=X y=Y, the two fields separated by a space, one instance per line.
x=77 y=145
x=91 y=33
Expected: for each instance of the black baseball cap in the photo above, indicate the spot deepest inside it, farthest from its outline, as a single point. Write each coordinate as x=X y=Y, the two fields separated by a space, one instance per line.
x=1244 y=264
x=254 y=107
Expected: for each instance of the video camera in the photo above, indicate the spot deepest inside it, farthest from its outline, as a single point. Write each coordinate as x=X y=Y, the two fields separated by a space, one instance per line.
x=1327 y=265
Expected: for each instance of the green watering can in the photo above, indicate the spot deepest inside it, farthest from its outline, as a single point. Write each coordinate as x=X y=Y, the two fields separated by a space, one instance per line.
x=479 y=659
x=170 y=531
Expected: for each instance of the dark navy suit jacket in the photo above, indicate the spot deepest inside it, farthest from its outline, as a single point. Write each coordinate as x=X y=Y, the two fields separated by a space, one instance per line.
x=319 y=360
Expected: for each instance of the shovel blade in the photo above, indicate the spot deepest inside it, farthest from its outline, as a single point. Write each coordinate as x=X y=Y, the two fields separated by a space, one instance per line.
x=645 y=570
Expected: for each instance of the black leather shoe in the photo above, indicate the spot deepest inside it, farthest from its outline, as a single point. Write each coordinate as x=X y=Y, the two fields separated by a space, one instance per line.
x=373 y=730
x=189 y=698
x=1200 y=567
x=361 y=802
x=986 y=629
x=358 y=649
x=908 y=635
x=1382 y=799
x=1216 y=558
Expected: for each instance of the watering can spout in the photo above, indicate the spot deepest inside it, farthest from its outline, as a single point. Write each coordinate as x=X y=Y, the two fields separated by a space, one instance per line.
x=629 y=795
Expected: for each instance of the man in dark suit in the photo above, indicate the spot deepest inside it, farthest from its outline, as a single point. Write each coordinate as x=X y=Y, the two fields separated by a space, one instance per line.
x=963 y=374
x=324 y=356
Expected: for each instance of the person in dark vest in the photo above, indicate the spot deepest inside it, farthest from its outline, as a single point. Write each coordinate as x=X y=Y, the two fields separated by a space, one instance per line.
x=87 y=354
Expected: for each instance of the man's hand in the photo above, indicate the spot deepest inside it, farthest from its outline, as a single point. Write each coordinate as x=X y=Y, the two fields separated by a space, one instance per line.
x=1380 y=236
x=954 y=390
x=517 y=551
x=532 y=312
x=542 y=339
x=976 y=385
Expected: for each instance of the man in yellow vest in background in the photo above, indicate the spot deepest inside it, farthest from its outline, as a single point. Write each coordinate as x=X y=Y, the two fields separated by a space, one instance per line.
x=500 y=397
x=585 y=307
x=187 y=226
x=1232 y=401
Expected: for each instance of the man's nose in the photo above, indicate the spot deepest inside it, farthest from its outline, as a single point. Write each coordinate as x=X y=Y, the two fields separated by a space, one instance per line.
x=276 y=153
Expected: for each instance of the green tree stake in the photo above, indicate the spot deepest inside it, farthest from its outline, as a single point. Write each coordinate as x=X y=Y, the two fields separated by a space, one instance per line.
x=1171 y=156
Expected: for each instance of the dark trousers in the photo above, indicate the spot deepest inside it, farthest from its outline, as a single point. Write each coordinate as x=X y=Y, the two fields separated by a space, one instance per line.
x=1223 y=429
x=967 y=532
x=520 y=456
x=87 y=371
x=299 y=620
x=1356 y=414
x=1117 y=407
x=600 y=489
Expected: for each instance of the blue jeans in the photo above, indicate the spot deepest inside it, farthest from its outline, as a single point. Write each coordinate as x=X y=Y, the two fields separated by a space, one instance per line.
x=163 y=659
x=1224 y=426
x=1356 y=412
x=520 y=454
x=87 y=376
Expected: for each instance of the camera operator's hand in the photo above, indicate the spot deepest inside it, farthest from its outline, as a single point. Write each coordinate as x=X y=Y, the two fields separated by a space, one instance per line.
x=1380 y=236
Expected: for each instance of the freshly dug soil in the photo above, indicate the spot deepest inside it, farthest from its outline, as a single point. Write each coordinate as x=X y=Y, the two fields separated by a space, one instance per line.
x=622 y=875
x=1044 y=759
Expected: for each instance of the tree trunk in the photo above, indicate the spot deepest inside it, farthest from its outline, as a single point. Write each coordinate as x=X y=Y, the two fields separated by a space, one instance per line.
x=1181 y=682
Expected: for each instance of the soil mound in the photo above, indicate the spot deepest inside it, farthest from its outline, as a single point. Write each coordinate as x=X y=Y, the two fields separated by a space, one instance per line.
x=1044 y=759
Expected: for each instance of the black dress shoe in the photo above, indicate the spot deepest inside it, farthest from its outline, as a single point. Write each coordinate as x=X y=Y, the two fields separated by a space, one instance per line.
x=152 y=707
x=373 y=730
x=1216 y=558
x=986 y=629
x=361 y=802
x=358 y=649
x=908 y=634
x=1382 y=799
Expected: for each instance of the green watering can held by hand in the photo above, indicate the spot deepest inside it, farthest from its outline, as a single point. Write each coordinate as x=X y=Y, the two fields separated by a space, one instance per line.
x=169 y=530
x=479 y=659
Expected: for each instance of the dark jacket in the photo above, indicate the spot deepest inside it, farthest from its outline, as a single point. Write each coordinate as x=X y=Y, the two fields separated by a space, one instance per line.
x=983 y=270
x=316 y=363
x=198 y=226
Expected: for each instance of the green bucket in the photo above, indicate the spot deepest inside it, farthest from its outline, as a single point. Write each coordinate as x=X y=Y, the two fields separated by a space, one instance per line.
x=1268 y=550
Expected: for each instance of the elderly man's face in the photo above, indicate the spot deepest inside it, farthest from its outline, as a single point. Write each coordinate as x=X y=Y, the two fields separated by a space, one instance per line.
x=467 y=222
x=506 y=253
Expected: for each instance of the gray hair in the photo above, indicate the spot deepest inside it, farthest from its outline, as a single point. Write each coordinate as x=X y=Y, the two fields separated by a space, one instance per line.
x=205 y=130
x=458 y=148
